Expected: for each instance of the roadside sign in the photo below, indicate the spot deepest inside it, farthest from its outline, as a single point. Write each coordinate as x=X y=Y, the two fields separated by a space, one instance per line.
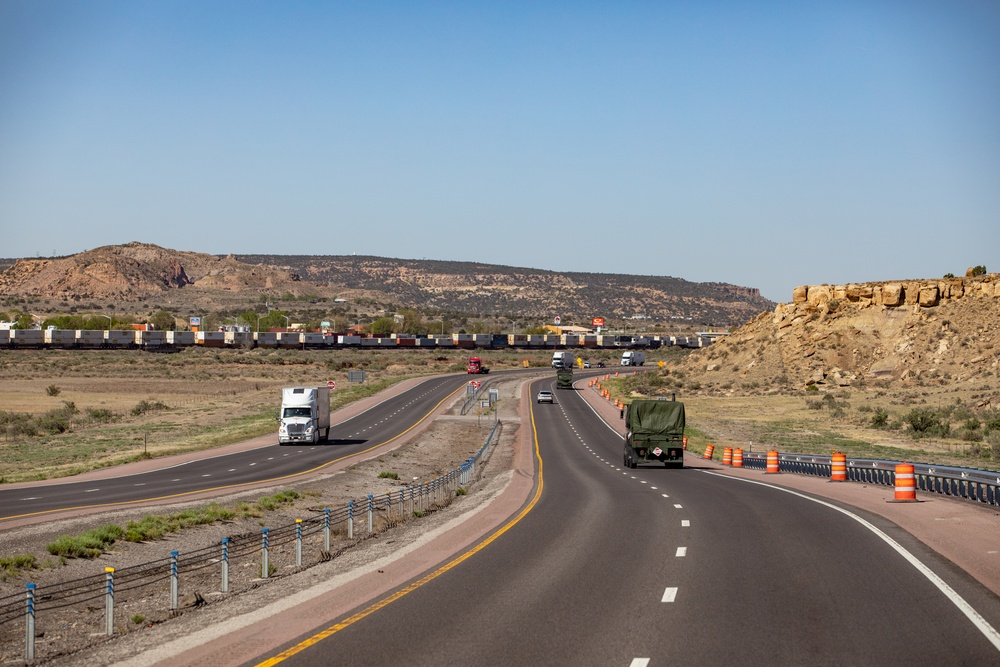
x=475 y=384
x=596 y=322
x=332 y=385
x=558 y=320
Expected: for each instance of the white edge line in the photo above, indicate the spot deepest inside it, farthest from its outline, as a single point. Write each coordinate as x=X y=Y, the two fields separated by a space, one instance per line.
x=977 y=619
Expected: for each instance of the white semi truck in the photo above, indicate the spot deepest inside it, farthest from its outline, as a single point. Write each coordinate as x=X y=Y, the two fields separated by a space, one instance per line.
x=305 y=412
x=633 y=358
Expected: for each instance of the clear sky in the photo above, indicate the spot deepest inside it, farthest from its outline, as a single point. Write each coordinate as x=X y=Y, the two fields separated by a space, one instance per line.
x=765 y=144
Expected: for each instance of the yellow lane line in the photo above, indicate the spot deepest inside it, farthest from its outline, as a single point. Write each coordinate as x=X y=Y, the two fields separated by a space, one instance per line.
x=333 y=629
x=241 y=484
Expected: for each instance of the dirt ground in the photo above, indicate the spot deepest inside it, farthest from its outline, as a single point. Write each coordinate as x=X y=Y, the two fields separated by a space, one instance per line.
x=75 y=635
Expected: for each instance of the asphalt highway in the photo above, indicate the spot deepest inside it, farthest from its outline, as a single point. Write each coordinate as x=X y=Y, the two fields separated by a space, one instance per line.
x=609 y=566
x=379 y=425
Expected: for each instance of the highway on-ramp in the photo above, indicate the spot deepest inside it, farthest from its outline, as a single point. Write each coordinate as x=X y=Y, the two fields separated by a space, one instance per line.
x=609 y=566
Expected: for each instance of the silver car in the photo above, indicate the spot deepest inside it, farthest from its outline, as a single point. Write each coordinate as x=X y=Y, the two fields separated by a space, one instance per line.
x=545 y=396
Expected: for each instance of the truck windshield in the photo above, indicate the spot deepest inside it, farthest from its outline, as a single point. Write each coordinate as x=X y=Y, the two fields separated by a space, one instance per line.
x=297 y=412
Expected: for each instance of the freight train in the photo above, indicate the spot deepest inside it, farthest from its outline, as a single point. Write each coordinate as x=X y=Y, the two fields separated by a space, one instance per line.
x=169 y=341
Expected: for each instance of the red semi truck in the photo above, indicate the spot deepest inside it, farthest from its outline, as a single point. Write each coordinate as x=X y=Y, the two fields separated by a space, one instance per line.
x=476 y=367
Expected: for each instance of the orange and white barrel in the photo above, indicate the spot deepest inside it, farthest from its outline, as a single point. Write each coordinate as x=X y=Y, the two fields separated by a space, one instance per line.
x=709 y=450
x=772 y=463
x=838 y=467
x=906 y=483
x=684 y=441
x=727 y=456
x=737 y=458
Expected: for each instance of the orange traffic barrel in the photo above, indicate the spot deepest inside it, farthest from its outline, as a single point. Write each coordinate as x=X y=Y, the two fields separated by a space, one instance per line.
x=772 y=463
x=727 y=456
x=838 y=467
x=709 y=450
x=737 y=458
x=684 y=440
x=906 y=483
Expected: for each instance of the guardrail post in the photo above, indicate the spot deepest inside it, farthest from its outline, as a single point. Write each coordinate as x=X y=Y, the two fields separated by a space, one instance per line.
x=326 y=530
x=173 y=580
x=370 y=513
x=264 y=565
x=225 y=564
x=109 y=601
x=298 y=543
x=350 y=519
x=29 y=624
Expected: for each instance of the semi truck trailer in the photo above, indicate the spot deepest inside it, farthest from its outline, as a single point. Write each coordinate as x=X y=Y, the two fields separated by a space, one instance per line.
x=304 y=415
x=654 y=433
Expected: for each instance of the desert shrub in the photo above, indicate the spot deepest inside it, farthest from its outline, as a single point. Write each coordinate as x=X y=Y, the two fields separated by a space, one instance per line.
x=100 y=415
x=926 y=422
x=142 y=407
x=865 y=408
x=52 y=390
x=880 y=419
x=812 y=387
x=972 y=424
x=970 y=436
x=90 y=544
x=814 y=404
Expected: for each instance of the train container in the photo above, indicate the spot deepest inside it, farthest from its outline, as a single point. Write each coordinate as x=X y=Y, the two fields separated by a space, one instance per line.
x=500 y=341
x=386 y=342
x=517 y=340
x=122 y=340
x=605 y=341
x=481 y=340
x=4 y=337
x=90 y=338
x=313 y=340
x=426 y=342
x=60 y=337
x=290 y=339
x=180 y=338
x=369 y=342
x=266 y=339
x=536 y=340
x=27 y=337
x=151 y=338
x=406 y=341
x=569 y=340
x=210 y=338
x=588 y=340
x=551 y=340
x=463 y=340
x=446 y=342
x=349 y=341
x=237 y=338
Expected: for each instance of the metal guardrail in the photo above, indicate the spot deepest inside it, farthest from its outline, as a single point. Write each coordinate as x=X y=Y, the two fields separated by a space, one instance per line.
x=87 y=592
x=982 y=486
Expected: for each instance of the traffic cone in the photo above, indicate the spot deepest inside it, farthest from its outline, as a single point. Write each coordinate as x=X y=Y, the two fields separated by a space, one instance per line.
x=727 y=456
x=773 y=465
x=906 y=484
x=737 y=458
x=838 y=467
x=709 y=450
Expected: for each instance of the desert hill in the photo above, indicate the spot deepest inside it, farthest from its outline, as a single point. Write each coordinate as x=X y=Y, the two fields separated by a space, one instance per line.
x=137 y=272
x=910 y=333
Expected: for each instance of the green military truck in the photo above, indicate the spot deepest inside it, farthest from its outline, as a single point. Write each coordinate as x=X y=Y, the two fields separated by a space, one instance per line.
x=564 y=377
x=654 y=432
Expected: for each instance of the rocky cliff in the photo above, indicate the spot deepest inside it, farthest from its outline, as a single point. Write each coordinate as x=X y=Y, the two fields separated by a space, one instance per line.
x=913 y=332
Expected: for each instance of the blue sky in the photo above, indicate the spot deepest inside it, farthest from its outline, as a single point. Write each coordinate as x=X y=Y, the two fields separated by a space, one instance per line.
x=765 y=144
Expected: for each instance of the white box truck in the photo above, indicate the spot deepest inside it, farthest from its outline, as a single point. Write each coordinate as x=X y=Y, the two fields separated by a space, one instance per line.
x=305 y=411
x=633 y=358
x=563 y=359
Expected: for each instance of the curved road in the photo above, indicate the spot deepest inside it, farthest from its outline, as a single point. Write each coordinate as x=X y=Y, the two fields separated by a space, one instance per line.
x=610 y=566
x=377 y=426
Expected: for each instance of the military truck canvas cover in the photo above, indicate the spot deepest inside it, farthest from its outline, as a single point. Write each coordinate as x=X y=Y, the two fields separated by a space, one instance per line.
x=656 y=420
